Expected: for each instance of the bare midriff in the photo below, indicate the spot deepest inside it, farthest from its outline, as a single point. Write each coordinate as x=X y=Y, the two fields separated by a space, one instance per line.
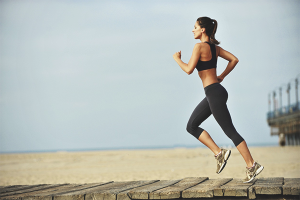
x=208 y=76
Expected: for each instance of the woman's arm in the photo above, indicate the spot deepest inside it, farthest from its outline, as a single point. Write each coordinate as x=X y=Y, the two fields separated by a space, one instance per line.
x=231 y=64
x=188 y=68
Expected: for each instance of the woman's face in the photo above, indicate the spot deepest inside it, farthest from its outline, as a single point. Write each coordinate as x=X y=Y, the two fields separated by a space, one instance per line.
x=197 y=30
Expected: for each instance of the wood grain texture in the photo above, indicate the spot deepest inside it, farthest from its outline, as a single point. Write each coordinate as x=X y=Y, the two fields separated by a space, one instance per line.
x=187 y=188
x=90 y=191
x=70 y=190
x=235 y=187
x=24 y=192
x=111 y=192
x=48 y=194
x=174 y=191
x=11 y=188
x=143 y=192
x=251 y=192
x=204 y=189
x=269 y=185
x=291 y=186
x=124 y=194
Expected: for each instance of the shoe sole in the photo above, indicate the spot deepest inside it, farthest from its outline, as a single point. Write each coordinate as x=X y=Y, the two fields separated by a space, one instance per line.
x=256 y=173
x=227 y=154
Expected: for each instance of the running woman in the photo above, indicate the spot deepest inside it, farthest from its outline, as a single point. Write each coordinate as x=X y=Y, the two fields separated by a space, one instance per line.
x=204 y=59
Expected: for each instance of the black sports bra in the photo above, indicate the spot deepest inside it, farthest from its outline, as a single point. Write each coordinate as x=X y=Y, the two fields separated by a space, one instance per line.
x=203 y=65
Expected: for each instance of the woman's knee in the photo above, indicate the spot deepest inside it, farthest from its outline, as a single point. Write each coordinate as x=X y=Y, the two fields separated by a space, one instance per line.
x=189 y=128
x=194 y=131
x=235 y=137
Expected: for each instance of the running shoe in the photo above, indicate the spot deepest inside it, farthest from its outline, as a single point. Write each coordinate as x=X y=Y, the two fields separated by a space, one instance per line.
x=222 y=159
x=252 y=172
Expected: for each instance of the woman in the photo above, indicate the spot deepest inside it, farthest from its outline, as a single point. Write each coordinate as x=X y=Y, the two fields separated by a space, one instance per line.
x=204 y=59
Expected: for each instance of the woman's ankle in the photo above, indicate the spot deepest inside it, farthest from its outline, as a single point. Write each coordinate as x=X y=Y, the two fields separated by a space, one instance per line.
x=217 y=152
x=251 y=164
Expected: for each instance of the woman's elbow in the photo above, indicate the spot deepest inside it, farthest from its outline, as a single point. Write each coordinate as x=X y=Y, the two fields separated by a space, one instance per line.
x=189 y=72
x=236 y=60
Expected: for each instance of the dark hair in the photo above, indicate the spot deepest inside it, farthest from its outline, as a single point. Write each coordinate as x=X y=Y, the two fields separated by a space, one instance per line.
x=210 y=26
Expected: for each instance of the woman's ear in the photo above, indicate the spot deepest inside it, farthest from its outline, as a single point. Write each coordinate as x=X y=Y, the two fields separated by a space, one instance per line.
x=202 y=30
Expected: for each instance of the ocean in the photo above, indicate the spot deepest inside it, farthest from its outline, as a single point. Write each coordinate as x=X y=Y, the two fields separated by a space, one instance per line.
x=228 y=146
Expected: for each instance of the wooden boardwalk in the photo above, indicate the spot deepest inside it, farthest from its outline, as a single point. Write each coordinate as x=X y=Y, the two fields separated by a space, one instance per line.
x=187 y=188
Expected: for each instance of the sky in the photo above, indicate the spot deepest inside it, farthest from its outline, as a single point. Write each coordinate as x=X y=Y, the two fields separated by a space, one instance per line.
x=80 y=75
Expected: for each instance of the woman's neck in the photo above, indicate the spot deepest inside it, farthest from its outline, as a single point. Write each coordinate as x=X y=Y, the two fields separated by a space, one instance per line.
x=204 y=38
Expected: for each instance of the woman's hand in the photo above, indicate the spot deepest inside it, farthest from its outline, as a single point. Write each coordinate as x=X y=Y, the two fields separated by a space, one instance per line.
x=220 y=78
x=177 y=55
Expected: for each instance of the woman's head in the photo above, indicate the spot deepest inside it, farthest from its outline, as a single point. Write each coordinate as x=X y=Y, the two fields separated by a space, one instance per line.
x=210 y=26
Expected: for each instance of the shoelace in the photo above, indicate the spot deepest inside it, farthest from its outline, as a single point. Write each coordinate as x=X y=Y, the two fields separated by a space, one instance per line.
x=219 y=161
x=249 y=173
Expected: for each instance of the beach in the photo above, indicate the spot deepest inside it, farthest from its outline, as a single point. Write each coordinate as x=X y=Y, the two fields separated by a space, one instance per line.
x=131 y=165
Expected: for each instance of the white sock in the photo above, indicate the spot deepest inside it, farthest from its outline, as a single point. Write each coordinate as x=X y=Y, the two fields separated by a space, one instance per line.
x=252 y=165
x=218 y=153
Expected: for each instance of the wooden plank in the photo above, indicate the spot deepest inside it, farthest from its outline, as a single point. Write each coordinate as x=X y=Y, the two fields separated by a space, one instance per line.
x=235 y=187
x=251 y=192
x=268 y=185
x=12 y=188
x=204 y=189
x=107 y=192
x=45 y=195
x=47 y=190
x=174 y=191
x=191 y=187
x=291 y=186
x=143 y=192
x=88 y=191
x=111 y=193
x=124 y=195
x=28 y=190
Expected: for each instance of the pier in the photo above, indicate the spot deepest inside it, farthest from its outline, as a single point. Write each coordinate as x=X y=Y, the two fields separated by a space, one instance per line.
x=186 y=188
x=284 y=121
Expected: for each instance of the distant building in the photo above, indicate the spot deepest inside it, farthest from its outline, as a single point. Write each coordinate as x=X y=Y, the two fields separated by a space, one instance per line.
x=284 y=121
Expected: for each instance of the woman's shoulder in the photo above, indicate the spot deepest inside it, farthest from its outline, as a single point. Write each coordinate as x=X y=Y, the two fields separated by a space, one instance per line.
x=200 y=45
x=218 y=49
x=197 y=46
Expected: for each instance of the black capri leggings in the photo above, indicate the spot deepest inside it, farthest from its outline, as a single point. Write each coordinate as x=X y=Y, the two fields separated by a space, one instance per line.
x=214 y=103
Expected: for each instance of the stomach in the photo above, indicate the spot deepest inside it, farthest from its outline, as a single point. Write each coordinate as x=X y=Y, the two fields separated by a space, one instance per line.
x=208 y=76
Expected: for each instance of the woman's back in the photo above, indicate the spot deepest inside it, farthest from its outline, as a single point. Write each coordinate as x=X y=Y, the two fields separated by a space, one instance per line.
x=207 y=63
x=206 y=51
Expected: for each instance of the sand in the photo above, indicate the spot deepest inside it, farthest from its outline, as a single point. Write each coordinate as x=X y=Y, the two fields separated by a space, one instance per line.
x=129 y=165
